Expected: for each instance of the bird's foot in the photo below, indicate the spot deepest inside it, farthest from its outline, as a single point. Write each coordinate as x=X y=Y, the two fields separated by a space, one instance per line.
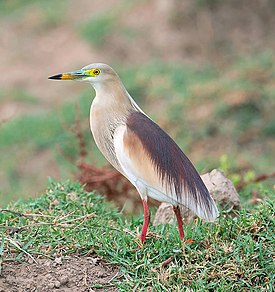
x=142 y=237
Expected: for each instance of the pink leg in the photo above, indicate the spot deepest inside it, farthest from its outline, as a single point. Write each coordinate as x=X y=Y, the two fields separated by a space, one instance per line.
x=146 y=212
x=179 y=220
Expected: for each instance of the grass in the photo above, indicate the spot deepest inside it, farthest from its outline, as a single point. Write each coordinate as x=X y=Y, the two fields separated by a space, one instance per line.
x=50 y=13
x=233 y=254
x=97 y=29
x=209 y=112
x=25 y=138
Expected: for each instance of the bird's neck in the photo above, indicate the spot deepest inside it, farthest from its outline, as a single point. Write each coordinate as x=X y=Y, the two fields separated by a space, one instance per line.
x=110 y=108
x=114 y=96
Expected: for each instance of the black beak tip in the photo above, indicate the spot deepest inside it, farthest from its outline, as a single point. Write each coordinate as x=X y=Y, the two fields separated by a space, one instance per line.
x=56 y=77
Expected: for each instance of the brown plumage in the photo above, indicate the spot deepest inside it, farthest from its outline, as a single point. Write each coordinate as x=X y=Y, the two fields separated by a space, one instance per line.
x=175 y=171
x=140 y=149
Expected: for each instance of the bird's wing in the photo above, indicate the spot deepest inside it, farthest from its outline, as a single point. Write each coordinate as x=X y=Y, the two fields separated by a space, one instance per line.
x=155 y=164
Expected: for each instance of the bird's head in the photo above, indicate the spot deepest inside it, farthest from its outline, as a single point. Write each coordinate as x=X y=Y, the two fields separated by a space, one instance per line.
x=96 y=73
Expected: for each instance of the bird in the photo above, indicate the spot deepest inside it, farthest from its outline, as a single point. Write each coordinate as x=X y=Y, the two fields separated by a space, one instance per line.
x=140 y=149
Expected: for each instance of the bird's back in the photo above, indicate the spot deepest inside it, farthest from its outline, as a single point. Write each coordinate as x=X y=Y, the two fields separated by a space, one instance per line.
x=174 y=175
x=143 y=152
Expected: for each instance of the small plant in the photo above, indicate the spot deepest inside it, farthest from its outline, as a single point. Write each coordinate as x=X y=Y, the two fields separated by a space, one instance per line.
x=234 y=253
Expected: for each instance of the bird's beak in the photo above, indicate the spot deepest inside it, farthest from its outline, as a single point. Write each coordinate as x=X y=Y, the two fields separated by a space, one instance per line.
x=78 y=74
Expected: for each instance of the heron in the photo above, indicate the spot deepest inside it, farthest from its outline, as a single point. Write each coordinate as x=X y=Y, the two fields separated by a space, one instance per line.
x=140 y=149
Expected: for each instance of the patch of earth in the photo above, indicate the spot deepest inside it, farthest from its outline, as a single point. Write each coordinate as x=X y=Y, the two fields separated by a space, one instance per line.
x=74 y=273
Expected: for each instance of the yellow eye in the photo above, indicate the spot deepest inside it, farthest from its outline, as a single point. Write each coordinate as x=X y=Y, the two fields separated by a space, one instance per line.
x=96 y=72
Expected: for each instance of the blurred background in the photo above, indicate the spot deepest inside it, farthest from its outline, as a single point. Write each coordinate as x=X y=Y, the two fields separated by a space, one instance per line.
x=203 y=69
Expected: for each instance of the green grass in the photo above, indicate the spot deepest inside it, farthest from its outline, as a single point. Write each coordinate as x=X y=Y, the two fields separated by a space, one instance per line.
x=18 y=95
x=233 y=254
x=25 y=138
x=49 y=13
x=209 y=112
x=97 y=29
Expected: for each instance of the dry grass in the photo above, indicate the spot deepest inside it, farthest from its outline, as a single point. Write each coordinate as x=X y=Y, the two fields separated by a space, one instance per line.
x=229 y=255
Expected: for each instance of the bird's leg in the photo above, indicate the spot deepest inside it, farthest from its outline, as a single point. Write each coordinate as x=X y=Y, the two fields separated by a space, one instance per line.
x=146 y=213
x=179 y=220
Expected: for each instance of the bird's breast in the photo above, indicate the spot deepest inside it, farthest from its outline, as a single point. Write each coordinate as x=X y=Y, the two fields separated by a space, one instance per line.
x=103 y=124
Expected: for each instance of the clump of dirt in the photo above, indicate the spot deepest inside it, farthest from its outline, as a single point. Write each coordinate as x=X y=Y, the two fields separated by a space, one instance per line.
x=74 y=273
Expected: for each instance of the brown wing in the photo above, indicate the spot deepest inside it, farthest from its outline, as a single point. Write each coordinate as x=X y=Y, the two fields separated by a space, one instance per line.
x=150 y=156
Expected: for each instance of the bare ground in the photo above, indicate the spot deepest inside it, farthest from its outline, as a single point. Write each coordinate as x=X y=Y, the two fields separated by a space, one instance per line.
x=74 y=273
x=184 y=33
x=165 y=29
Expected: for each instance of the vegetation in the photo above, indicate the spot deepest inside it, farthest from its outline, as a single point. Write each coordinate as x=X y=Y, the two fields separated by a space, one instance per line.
x=202 y=107
x=211 y=109
x=220 y=112
x=236 y=253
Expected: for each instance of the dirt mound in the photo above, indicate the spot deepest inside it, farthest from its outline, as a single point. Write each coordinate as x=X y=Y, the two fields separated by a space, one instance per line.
x=74 y=273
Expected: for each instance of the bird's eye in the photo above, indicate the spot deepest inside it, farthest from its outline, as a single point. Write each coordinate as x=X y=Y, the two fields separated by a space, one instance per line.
x=96 y=72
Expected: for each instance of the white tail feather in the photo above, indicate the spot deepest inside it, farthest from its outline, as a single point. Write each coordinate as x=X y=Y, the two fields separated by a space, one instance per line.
x=208 y=212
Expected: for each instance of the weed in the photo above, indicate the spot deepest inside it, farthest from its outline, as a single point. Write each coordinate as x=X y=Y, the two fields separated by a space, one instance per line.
x=231 y=254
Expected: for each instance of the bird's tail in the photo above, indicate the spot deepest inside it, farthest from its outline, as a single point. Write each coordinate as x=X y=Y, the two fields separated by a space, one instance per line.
x=207 y=211
x=202 y=205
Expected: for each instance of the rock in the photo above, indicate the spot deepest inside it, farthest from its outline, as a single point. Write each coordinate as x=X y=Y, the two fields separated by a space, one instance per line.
x=51 y=285
x=220 y=188
x=58 y=260
x=57 y=284
x=101 y=274
x=64 y=280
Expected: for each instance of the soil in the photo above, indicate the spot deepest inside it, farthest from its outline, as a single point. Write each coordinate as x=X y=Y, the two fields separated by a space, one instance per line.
x=74 y=273
x=169 y=30
x=172 y=31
